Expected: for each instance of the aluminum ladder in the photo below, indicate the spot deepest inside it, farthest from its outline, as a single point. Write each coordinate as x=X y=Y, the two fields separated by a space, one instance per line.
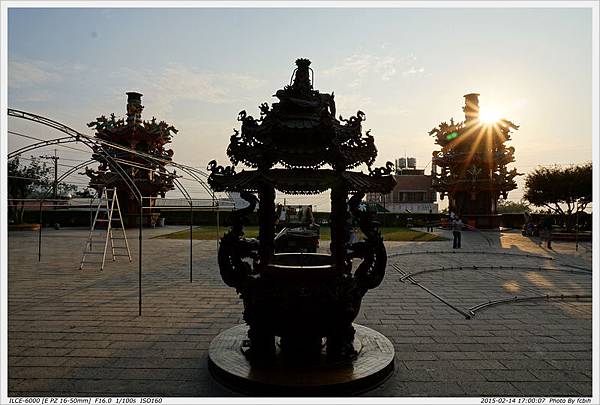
x=105 y=213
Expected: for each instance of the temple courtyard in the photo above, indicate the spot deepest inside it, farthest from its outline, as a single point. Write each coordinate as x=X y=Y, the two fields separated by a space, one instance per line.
x=451 y=315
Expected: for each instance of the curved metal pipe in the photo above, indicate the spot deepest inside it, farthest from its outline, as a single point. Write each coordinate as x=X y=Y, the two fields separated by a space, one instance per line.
x=56 y=141
x=492 y=268
x=78 y=136
x=440 y=298
x=478 y=252
x=488 y=304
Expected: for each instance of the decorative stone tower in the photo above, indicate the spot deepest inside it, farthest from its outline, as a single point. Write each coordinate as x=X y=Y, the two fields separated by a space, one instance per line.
x=472 y=163
x=150 y=176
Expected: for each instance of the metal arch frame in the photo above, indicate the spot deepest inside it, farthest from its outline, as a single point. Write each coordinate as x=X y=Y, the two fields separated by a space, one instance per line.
x=56 y=141
x=45 y=121
x=78 y=136
x=97 y=146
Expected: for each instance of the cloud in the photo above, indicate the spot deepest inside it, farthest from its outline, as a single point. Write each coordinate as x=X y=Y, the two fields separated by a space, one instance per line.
x=384 y=67
x=413 y=71
x=392 y=111
x=349 y=103
x=178 y=82
x=28 y=74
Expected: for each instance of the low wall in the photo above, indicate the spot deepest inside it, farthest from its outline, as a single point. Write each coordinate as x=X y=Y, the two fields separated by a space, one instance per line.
x=81 y=218
x=518 y=219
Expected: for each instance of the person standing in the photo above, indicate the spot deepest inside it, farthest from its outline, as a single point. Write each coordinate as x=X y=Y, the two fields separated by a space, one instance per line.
x=457 y=226
x=430 y=221
x=546 y=231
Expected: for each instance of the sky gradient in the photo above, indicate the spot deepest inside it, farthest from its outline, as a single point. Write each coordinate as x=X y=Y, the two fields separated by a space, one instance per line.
x=407 y=69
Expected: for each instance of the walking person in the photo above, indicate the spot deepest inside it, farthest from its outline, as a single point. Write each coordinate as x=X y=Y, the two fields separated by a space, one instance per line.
x=430 y=221
x=546 y=231
x=457 y=226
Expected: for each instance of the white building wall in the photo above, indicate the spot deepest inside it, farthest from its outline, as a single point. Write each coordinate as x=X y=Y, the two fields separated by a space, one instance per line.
x=412 y=207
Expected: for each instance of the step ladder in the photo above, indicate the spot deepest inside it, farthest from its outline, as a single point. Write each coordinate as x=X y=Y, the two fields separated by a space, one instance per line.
x=105 y=214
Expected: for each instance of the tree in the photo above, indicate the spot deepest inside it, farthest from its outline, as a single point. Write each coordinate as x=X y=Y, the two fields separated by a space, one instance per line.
x=85 y=193
x=66 y=189
x=25 y=182
x=511 y=207
x=564 y=191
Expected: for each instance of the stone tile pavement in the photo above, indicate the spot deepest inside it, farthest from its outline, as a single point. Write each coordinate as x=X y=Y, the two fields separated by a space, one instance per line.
x=75 y=332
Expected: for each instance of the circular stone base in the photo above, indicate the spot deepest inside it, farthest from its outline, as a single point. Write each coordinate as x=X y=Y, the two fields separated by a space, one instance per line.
x=374 y=363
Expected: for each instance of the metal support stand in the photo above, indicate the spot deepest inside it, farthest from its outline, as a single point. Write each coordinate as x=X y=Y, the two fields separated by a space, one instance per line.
x=140 y=257
x=577 y=229
x=40 y=235
x=218 y=240
x=191 y=243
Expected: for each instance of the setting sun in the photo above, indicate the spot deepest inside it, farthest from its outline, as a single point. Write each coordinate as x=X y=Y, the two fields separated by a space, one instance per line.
x=489 y=116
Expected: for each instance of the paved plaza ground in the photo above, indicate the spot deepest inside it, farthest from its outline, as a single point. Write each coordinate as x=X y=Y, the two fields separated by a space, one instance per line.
x=78 y=333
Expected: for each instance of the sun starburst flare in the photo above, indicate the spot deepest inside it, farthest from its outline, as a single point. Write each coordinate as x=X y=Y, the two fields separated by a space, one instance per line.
x=489 y=116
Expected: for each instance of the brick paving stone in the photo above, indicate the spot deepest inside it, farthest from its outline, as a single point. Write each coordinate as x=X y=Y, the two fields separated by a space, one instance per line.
x=579 y=365
x=478 y=364
x=431 y=389
x=528 y=364
x=144 y=374
x=444 y=347
x=77 y=332
x=510 y=375
x=445 y=374
x=418 y=356
x=460 y=355
x=41 y=361
x=494 y=389
x=559 y=375
x=28 y=372
x=542 y=388
x=427 y=364
x=583 y=388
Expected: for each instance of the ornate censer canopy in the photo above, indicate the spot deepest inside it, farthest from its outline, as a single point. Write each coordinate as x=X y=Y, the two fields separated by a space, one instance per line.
x=301 y=133
x=294 y=300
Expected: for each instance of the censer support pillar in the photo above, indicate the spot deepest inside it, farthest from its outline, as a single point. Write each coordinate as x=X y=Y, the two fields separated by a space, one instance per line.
x=339 y=213
x=266 y=219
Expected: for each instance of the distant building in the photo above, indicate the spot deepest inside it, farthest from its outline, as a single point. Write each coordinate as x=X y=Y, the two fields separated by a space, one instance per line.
x=413 y=191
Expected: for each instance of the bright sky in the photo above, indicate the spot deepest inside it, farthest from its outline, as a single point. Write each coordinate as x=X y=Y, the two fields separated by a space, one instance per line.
x=407 y=69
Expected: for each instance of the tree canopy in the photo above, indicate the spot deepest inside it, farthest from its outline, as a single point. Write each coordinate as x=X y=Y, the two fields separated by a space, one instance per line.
x=563 y=190
x=25 y=182
x=29 y=181
x=511 y=207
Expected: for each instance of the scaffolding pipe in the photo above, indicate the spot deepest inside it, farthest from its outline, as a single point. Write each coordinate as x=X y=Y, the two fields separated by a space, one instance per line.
x=191 y=242
x=140 y=258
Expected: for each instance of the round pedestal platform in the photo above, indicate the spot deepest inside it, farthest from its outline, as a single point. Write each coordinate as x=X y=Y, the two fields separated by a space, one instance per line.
x=374 y=363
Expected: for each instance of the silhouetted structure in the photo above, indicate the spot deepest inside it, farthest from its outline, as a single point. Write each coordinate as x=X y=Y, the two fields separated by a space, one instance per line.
x=149 y=175
x=302 y=297
x=473 y=162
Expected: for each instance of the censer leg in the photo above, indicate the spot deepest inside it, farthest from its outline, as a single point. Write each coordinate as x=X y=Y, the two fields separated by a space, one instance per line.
x=340 y=343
